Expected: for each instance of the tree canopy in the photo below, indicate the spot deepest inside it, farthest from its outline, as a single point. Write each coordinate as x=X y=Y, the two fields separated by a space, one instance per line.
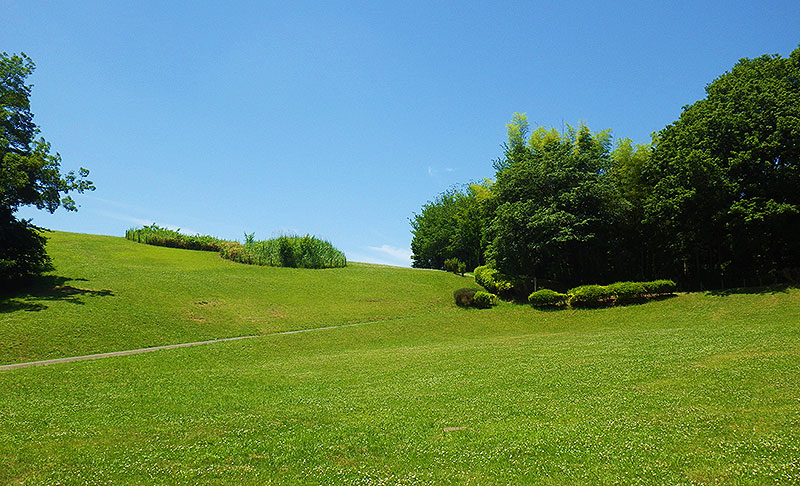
x=29 y=173
x=713 y=201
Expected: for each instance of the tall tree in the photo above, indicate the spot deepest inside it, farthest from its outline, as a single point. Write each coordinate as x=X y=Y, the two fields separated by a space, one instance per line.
x=556 y=205
x=29 y=173
x=724 y=203
x=451 y=226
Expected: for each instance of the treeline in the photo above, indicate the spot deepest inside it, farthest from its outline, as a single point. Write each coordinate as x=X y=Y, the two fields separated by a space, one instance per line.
x=713 y=201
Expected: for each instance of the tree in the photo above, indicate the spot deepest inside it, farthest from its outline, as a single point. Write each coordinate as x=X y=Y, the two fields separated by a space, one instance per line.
x=451 y=226
x=724 y=203
x=29 y=173
x=556 y=205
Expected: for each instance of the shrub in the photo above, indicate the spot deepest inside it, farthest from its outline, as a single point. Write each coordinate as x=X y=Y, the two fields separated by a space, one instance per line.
x=22 y=251
x=455 y=265
x=660 y=287
x=547 y=298
x=589 y=296
x=465 y=297
x=286 y=251
x=155 y=235
x=484 y=276
x=484 y=300
x=494 y=281
x=626 y=292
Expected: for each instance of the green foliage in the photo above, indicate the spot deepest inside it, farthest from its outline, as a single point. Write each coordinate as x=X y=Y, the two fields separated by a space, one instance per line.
x=660 y=287
x=589 y=296
x=547 y=298
x=22 y=251
x=451 y=227
x=723 y=205
x=158 y=236
x=465 y=297
x=494 y=281
x=627 y=292
x=287 y=251
x=484 y=300
x=557 y=208
x=455 y=265
x=29 y=174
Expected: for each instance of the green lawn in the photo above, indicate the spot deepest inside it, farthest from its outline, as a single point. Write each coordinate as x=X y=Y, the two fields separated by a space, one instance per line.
x=114 y=294
x=700 y=389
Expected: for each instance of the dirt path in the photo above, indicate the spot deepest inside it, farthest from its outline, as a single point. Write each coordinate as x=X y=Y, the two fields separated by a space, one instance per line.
x=173 y=346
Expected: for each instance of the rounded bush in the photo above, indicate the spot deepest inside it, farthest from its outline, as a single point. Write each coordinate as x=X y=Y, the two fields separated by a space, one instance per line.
x=465 y=297
x=484 y=276
x=484 y=300
x=589 y=296
x=547 y=298
x=660 y=287
x=626 y=292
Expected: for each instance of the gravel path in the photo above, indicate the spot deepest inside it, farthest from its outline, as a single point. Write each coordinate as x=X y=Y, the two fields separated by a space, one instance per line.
x=173 y=346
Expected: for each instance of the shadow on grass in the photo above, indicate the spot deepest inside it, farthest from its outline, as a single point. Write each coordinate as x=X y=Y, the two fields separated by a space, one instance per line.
x=767 y=289
x=33 y=294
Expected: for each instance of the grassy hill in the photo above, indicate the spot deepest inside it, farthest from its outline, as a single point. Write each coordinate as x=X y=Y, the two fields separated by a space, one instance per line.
x=109 y=293
x=697 y=389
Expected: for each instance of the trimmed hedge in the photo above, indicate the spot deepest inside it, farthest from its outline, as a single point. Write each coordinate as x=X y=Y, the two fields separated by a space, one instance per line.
x=660 y=287
x=494 y=281
x=626 y=292
x=619 y=293
x=484 y=300
x=547 y=298
x=589 y=296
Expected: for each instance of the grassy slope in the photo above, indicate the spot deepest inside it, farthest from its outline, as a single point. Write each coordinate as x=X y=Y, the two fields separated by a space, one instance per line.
x=116 y=294
x=696 y=389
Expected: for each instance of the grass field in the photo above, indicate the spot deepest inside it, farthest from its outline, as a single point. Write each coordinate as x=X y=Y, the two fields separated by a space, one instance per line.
x=697 y=389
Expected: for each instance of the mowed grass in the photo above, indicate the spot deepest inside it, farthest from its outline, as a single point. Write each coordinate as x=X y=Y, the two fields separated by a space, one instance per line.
x=697 y=389
x=109 y=294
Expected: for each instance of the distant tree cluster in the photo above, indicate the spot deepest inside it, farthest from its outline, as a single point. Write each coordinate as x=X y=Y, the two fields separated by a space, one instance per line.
x=713 y=201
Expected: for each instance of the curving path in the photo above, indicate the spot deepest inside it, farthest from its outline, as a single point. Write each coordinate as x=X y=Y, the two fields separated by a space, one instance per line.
x=173 y=346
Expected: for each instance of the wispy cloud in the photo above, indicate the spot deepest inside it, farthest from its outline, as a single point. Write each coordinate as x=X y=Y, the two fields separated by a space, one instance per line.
x=432 y=172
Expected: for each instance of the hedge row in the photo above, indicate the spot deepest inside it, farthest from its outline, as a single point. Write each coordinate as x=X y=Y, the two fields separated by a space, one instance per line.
x=158 y=236
x=600 y=295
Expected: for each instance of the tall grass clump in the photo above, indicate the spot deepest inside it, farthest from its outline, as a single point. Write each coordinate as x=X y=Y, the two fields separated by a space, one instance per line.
x=158 y=236
x=286 y=251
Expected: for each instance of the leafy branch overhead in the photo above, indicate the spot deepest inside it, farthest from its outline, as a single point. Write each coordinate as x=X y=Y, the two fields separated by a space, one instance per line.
x=30 y=175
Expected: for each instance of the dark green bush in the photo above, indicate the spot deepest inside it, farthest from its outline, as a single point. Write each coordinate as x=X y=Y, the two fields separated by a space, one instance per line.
x=660 y=287
x=589 y=296
x=484 y=300
x=627 y=292
x=465 y=297
x=547 y=298
x=22 y=251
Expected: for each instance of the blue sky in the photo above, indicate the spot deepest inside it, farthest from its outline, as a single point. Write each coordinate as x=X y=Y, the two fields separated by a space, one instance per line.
x=341 y=119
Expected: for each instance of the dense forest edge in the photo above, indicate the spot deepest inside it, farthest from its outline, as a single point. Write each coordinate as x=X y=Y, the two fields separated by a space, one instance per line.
x=711 y=202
